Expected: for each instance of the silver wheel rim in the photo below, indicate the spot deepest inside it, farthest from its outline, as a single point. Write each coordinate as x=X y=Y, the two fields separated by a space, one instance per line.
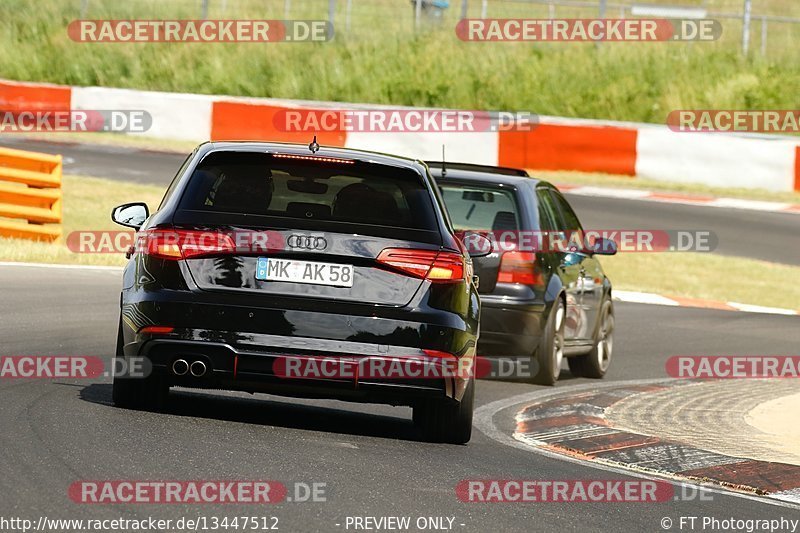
x=605 y=340
x=558 y=341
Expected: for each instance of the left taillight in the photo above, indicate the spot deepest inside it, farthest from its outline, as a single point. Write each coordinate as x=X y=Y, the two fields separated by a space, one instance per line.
x=435 y=266
x=187 y=244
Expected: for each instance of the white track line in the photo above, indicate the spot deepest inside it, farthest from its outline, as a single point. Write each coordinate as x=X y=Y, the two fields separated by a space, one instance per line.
x=664 y=197
x=761 y=309
x=643 y=298
x=657 y=299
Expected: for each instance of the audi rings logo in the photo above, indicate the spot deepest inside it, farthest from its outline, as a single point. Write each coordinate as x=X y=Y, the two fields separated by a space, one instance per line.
x=307 y=242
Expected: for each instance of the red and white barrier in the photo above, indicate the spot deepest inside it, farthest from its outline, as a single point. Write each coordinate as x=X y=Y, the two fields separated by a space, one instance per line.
x=636 y=150
x=718 y=159
x=185 y=117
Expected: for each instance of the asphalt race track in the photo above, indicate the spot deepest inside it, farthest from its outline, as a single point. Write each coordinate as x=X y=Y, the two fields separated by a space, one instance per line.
x=759 y=235
x=371 y=459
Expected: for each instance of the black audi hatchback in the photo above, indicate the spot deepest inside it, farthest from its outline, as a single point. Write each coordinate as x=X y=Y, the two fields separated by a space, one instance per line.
x=301 y=271
x=544 y=294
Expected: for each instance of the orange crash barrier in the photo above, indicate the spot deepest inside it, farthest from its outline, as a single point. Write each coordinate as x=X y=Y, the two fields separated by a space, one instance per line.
x=30 y=195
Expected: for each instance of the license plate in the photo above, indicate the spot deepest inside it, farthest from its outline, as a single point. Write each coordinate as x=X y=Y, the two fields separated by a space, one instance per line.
x=312 y=272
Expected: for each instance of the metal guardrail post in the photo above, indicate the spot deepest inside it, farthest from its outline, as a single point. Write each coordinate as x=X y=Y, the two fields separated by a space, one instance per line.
x=746 y=16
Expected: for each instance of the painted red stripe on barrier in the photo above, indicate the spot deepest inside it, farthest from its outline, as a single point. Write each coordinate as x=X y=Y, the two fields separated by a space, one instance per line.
x=16 y=96
x=797 y=168
x=243 y=121
x=562 y=147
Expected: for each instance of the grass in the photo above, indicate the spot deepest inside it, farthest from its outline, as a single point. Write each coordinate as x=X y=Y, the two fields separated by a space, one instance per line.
x=706 y=276
x=88 y=203
x=87 y=207
x=628 y=182
x=381 y=60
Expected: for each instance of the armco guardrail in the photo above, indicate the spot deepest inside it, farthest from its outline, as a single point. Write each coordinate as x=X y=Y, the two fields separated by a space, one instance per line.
x=30 y=191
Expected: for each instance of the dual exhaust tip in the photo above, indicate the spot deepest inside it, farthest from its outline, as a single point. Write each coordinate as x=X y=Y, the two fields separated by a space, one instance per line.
x=181 y=367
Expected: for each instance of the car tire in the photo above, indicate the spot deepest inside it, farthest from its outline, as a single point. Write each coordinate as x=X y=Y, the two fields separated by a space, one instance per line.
x=446 y=421
x=550 y=353
x=148 y=393
x=596 y=363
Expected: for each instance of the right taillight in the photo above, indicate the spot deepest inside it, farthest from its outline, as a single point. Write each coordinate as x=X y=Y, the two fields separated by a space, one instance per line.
x=425 y=264
x=519 y=267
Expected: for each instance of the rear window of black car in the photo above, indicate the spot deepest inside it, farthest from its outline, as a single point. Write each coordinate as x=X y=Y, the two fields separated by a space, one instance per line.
x=480 y=208
x=316 y=192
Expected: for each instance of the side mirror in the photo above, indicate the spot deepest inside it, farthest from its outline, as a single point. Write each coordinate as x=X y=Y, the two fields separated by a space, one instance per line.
x=604 y=246
x=477 y=245
x=130 y=215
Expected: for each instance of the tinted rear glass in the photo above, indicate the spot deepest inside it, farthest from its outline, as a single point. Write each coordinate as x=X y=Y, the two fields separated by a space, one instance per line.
x=247 y=183
x=479 y=208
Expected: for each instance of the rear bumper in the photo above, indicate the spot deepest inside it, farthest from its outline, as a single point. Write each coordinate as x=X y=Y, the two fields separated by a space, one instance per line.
x=510 y=327
x=245 y=347
x=268 y=370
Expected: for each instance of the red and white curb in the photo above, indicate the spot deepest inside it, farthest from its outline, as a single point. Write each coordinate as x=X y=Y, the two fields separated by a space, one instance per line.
x=683 y=199
x=492 y=420
x=679 y=301
x=573 y=423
